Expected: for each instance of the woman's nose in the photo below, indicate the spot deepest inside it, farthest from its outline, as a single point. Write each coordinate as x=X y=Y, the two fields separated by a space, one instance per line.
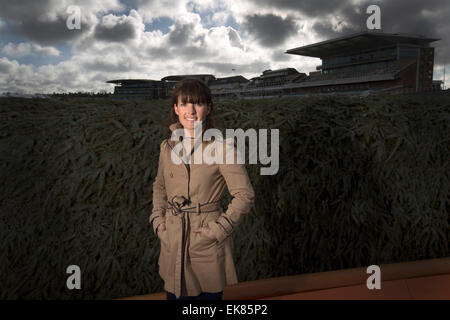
x=191 y=109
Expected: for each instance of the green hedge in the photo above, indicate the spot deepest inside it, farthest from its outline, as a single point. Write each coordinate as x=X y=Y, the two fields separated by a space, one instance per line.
x=361 y=181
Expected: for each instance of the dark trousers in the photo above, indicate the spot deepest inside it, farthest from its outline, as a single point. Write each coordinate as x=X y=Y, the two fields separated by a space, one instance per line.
x=201 y=296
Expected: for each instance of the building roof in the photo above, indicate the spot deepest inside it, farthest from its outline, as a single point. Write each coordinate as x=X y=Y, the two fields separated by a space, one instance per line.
x=279 y=72
x=268 y=71
x=358 y=41
x=130 y=81
x=182 y=76
x=227 y=81
x=232 y=78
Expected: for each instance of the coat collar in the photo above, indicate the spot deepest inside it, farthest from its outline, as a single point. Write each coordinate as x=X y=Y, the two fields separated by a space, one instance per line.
x=172 y=128
x=175 y=126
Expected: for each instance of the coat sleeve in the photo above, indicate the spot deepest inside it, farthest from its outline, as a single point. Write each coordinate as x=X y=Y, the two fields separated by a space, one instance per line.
x=158 y=214
x=241 y=190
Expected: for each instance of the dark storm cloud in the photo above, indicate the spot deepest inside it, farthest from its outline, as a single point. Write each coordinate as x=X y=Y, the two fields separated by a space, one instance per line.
x=321 y=10
x=279 y=55
x=122 y=31
x=415 y=16
x=270 y=30
x=50 y=32
x=181 y=34
x=307 y=7
x=327 y=30
x=408 y=16
x=412 y=16
x=25 y=19
x=17 y=10
x=182 y=42
x=428 y=18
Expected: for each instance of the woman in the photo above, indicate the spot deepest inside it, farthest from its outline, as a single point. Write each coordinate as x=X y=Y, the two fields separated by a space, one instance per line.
x=196 y=260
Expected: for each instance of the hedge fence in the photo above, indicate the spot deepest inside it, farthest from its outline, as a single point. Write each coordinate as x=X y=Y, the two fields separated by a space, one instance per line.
x=361 y=181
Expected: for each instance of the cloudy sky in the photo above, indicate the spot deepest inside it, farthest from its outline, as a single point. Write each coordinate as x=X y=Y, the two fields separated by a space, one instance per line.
x=151 y=39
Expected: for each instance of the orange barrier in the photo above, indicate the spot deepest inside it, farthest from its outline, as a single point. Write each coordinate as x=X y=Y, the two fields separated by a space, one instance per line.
x=423 y=288
x=423 y=279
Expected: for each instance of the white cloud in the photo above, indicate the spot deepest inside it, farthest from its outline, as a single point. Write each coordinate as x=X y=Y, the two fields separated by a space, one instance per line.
x=206 y=5
x=120 y=28
x=47 y=51
x=15 y=77
x=20 y=50
x=150 y=9
x=220 y=18
x=25 y=49
x=126 y=50
x=6 y=66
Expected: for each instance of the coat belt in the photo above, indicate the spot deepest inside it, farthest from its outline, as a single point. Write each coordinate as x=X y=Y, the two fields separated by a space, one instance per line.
x=178 y=203
x=178 y=206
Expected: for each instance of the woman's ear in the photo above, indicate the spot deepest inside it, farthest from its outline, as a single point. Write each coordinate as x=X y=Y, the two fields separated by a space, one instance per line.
x=175 y=108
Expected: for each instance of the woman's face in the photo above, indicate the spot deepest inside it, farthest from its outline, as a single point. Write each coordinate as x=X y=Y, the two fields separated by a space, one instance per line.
x=188 y=113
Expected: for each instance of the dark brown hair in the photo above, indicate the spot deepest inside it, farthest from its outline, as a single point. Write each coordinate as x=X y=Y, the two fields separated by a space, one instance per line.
x=192 y=90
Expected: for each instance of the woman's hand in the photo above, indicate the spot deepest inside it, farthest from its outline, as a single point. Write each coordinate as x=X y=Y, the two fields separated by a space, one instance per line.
x=162 y=227
x=206 y=231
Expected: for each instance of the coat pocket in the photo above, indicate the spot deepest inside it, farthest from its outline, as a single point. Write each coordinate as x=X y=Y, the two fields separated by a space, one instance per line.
x=164 y=252
x=202 y=247
x=163 y=238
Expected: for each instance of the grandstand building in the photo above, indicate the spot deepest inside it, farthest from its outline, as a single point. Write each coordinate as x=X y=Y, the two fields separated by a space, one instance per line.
x=269 y=83
x=139 y=89
x=225 y=87
x=171 y=81
x=373 y=61
x=272 y=83
x=151 y=89
x=362 y=63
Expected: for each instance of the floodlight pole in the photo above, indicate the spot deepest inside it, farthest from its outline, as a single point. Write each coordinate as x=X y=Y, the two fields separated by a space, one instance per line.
x=445 y=67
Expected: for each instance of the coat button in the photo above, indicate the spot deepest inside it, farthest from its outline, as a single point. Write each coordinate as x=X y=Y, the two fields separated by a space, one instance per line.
x=171 y=175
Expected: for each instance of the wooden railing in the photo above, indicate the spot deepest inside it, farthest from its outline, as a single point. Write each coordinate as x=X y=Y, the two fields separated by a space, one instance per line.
x=281 y=286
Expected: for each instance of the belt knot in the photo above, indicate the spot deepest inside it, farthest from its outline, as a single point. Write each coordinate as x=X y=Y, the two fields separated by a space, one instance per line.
x=178 y=206
x=177 y=203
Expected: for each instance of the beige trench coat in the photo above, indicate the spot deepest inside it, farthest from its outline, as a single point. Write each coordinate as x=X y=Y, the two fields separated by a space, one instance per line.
x=190 y=262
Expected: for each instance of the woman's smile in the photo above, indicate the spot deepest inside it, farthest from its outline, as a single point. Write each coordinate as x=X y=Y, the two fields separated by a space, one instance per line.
x=188 y=113
x=191 y=118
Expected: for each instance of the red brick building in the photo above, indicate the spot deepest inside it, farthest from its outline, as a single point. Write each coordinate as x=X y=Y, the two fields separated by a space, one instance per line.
x=373 y=61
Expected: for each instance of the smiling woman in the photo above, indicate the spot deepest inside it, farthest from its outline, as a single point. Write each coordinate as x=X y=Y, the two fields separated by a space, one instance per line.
x=196 y=258
x=191 y=100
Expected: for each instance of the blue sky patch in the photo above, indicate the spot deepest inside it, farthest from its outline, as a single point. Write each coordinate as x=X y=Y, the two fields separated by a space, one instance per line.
x=161 y=23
